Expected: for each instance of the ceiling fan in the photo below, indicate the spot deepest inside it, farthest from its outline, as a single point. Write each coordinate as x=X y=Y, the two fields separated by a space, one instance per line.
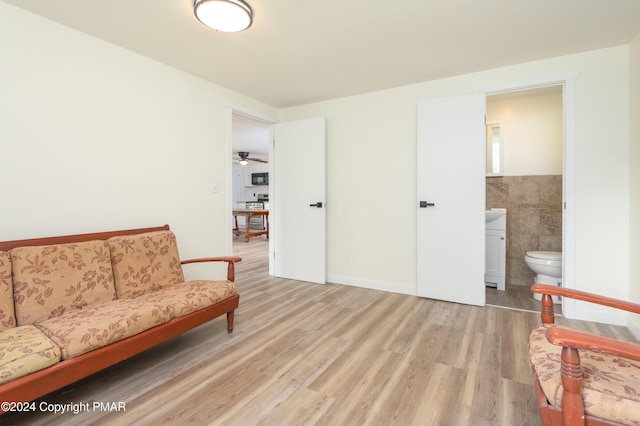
x=244 y=158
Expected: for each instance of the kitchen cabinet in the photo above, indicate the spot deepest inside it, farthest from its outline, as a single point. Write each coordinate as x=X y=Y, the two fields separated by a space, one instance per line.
x=253 y=168
x=247 y=169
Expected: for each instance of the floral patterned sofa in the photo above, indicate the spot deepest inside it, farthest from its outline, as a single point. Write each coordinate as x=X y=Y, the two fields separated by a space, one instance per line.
x=73 y=305
x=583 y=378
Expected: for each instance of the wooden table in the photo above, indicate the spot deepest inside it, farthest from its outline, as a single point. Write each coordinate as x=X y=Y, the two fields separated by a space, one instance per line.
x=248 y=214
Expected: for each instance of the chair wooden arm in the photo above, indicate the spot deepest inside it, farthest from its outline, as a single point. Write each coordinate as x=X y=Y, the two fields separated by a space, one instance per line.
x=572 y=342
x=231 y=260
x=550 y=290
x=571 y=410
x=582 y=340
x=553 y=290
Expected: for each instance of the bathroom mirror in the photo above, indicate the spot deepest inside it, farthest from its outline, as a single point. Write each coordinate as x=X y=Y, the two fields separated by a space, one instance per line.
x=494 y=149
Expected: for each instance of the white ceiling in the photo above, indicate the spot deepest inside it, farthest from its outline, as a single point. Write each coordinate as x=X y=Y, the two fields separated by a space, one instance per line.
x=299 y=52
x=250 y=136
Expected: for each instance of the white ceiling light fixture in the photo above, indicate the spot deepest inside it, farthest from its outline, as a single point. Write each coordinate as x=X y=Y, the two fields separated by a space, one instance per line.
x=224 y=15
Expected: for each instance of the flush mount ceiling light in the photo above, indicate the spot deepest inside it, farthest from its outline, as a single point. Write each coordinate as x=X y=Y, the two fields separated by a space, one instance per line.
x=224 y=15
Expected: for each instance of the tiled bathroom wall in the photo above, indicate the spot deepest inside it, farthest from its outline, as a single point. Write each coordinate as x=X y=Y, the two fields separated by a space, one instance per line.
x=534 y=218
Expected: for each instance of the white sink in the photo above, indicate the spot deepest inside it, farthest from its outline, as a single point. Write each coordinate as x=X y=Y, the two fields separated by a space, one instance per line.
x=493 y=214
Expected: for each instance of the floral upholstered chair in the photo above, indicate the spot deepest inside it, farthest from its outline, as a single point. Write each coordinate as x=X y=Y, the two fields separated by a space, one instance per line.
x=582 y=378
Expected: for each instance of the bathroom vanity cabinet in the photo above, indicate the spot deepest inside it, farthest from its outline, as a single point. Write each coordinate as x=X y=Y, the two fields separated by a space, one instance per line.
x=496 y=249
x=495 y=258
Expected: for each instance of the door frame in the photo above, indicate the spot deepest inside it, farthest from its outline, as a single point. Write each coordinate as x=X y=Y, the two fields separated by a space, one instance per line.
x=230 y=110
x=568 y=81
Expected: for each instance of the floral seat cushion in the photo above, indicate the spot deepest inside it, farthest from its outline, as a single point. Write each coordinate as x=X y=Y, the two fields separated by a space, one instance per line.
x=82 y=331
x=24 y=350
x=190 y=296
x=610 y=384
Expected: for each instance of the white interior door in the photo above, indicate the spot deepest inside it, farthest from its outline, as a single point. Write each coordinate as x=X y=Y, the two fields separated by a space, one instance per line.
x=297 y=188
x=451 y=176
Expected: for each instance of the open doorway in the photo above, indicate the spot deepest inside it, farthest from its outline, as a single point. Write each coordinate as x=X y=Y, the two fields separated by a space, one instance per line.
x=250 y=187
x=529 y=185
x=301 y=244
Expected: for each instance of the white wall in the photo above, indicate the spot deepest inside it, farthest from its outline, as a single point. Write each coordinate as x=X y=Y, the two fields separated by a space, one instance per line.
x=531 y=132
x=634 y=159
x=371 y=145
x=94 y=137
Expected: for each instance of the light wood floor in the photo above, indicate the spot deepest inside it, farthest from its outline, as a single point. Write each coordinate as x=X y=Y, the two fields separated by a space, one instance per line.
x=309 y=354
x=515 y=297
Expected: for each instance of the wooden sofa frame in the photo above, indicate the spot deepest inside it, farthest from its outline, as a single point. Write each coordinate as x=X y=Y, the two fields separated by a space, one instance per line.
x=40 y=383
x=572 y=341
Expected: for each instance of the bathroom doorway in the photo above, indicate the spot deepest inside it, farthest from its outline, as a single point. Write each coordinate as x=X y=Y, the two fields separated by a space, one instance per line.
x=529 y=183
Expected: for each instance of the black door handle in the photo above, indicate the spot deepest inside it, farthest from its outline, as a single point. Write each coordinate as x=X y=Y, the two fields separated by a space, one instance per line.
x=424 y=204
x=318 y=205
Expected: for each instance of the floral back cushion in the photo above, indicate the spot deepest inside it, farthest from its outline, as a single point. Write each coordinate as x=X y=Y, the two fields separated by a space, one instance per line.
x=7 y=314
x=55 y=279
x=145 y=262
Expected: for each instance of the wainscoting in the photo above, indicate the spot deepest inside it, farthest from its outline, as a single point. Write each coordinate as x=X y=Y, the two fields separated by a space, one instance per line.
x=534 y=218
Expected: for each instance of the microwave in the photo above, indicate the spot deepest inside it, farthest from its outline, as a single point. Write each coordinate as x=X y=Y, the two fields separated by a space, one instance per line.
x=259 y=178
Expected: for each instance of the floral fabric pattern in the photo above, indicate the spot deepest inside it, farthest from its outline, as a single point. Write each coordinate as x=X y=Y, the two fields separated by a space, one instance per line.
x=82 y=331
x=53 y=280
x=24 y=350
x=190 y=296
x=145 y=262
x=63 y=300
x=611 y=384
x=7 y=313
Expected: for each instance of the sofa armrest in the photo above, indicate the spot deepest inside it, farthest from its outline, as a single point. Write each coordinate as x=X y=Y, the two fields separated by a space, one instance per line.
x=550 y=290
x=231 y=260
x=566 y=337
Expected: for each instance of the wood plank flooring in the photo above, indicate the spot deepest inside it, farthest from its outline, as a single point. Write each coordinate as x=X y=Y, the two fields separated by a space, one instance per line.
x=308 y=354
x=515 y=297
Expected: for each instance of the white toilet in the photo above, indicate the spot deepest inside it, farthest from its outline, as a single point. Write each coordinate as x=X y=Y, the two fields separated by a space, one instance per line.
x=548 y=268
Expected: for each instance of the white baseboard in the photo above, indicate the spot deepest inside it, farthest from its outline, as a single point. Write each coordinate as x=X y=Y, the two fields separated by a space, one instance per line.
x=373 y=284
